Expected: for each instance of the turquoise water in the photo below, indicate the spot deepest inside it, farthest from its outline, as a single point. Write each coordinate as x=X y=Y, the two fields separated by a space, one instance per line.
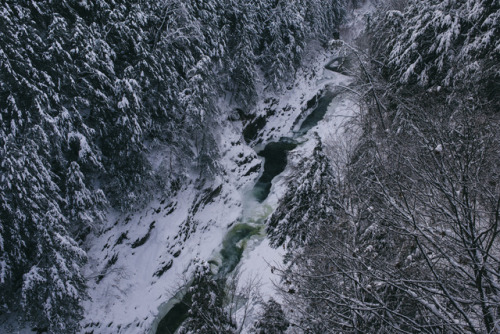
x=234 y=243
x=232 y=250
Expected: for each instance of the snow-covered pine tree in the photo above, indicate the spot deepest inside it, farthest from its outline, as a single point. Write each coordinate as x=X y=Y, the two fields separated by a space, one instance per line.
x=310 y=201
x=323 y=17
x=84 y=207
x=283 y=41
x=40 y=261
x=242 y=30
x=207 y=314
x=272 y=319
x=442 y=44
x=53 y=287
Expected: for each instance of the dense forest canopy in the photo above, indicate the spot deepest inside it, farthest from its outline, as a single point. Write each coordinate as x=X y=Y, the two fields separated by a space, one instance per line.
x=88 y=88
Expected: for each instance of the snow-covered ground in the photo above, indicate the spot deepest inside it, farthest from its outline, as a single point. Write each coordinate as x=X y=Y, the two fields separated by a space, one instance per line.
x=335 y=130
x=129 y=291
x=126 y=284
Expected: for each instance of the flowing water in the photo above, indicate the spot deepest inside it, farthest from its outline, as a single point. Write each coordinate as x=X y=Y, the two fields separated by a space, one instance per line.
x=318 y=113
x=233 y=245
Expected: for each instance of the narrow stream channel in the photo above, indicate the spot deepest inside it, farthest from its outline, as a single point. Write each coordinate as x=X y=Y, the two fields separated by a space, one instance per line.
x=233 y=245
x=319 y=111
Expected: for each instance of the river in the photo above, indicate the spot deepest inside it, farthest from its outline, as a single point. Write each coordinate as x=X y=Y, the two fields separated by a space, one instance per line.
x=274 y=154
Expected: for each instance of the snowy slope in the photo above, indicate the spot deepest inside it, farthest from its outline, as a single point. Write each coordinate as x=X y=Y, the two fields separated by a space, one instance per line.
x=125 y=292
x=142 y=259
x=126 y=287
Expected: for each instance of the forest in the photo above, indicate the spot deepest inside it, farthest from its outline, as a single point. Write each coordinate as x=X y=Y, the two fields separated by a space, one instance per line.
x=397 y=233
x=407 y=240
x=88 y=89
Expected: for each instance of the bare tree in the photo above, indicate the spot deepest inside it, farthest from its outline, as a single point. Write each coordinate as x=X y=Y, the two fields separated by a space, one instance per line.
x=415 y=247
x=441 y=193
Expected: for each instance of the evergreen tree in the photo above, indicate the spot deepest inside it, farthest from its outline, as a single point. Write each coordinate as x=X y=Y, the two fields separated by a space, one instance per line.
x=309 y=202
x=36 y=249
x=85 y=208
x=272 y=319
x=242 y=42
x=207 y=314
x=442 y=44
x=53 y=287
x=40 y=261
x=323 y=16
x=283 y=41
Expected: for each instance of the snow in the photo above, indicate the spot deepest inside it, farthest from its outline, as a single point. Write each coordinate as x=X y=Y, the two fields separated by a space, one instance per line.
x=123 y=103
x=85 y=149
x=126 y=296
x=260 y=262
x=10 y=325
x=3 y=266
x=129 y=296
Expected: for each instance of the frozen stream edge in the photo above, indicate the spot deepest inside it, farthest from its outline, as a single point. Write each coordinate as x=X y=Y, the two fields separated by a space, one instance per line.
x=258 y=257
x=338 y=129
x=129 y=297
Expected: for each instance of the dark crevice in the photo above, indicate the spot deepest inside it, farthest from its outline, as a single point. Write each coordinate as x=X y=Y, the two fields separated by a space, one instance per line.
x=275 y=155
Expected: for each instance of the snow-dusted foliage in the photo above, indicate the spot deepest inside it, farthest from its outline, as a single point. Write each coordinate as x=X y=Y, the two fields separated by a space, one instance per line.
x=207 y=314
x=40 y=261
x=272 y=319
x=53 y=287
x=83 y=206
x=441 y=43
x=89 y=88
x=415 y=244
x=310 y=201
